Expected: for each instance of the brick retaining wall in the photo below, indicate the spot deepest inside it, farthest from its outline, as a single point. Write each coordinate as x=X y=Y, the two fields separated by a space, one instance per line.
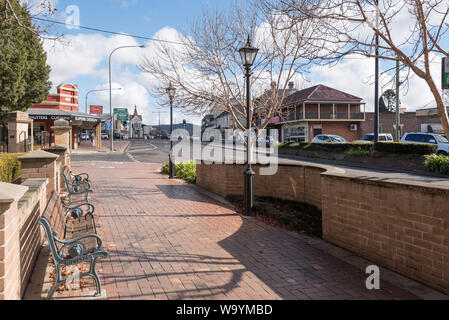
x=404 y=227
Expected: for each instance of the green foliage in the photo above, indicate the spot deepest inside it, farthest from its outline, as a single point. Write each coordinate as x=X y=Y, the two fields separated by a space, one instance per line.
x=406 y=148
x=24 y=72
x=184 y=170
x=10 y=167
x=437 y=163
x=338 y=147
x=363 y=149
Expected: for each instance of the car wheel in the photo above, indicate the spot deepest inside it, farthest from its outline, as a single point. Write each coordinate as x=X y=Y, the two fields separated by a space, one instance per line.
x=442 y=153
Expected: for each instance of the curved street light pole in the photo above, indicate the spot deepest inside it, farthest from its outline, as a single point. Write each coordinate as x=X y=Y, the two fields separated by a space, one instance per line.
x=110 y=92
x=89 y=92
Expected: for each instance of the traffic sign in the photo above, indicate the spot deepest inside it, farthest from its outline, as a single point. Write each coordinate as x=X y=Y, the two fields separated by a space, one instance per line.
x=122 y=114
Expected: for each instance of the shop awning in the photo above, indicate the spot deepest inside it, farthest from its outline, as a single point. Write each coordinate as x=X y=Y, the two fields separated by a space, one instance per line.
x=52 y=115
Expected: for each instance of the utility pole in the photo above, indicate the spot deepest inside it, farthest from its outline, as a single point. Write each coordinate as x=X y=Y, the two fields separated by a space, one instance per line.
x=160 y=127
x=376 y=90
x=398 y=115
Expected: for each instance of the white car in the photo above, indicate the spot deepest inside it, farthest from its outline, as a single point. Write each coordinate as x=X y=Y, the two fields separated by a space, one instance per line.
x=430 y=138
x=104 y=136
x=195 y=138
x=369 y=138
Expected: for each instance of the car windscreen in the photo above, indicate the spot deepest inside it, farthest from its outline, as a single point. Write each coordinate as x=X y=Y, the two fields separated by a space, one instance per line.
x=368 y=137
x=441 y=139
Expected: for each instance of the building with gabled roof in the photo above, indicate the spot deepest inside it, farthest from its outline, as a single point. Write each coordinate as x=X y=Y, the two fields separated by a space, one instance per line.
x=320 y=110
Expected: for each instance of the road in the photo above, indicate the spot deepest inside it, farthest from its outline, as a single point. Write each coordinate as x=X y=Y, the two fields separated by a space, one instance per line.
x=156 y=151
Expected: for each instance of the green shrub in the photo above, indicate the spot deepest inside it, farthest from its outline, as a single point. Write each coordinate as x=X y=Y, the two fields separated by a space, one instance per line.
x=362 y=149
x=437 y=163
x=338 y=147
x=291 y=145
x=10 y=167
x=406 y=148
x=184 y=170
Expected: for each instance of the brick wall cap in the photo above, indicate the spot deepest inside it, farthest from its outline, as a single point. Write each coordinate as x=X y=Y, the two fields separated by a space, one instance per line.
x=38 y=155
x=18 y=115
x=35 y=183
x=11 y=192
x=418 y=185
x=55 y=148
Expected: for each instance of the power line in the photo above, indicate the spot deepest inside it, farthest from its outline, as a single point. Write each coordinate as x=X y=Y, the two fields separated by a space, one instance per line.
x=107 y=31
x=154 y=39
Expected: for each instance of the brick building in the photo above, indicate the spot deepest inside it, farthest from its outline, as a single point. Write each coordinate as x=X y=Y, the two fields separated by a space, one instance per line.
x=65 y=99
x=320 y=110
x=62 y=105
x=422 y=120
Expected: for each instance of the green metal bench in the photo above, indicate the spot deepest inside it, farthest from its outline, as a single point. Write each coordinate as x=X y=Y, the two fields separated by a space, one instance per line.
x=72 y=252
x=77 y=192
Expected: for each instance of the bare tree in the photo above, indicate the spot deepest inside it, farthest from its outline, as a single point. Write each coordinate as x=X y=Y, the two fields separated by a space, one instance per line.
x=410 y=31
x=37 y=8
x=206 y=67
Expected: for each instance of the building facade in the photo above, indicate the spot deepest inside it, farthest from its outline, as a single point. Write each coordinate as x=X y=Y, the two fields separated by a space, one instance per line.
x=63 y=105
x=135 y=125
x=320 y=110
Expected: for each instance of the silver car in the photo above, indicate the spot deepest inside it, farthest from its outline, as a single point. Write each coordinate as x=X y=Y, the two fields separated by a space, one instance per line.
x=328 y=138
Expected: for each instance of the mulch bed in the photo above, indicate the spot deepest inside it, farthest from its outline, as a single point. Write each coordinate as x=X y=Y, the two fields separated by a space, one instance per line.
x=293 y=216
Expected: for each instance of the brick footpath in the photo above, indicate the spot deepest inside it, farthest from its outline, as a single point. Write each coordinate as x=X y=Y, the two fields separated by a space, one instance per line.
x=169 y=241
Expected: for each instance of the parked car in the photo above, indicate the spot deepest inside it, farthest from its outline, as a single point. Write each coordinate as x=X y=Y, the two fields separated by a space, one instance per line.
x=195 y=138
x=430 y=138
x=269 y=141
x=84 y=136
x=369 y=138
x=104 y=136
x=327 y=138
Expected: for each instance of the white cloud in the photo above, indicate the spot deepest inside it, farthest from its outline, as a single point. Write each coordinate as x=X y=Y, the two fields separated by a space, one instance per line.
x=355 y=76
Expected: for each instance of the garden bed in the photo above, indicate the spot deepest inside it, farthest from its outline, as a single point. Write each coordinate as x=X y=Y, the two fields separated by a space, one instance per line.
x=293 y=216
x=363 y=155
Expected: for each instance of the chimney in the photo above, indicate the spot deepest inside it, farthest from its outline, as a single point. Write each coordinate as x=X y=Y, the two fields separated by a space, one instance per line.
x=291 y=85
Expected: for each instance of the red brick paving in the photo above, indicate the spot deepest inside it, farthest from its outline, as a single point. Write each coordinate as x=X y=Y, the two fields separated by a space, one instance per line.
x=169 y=241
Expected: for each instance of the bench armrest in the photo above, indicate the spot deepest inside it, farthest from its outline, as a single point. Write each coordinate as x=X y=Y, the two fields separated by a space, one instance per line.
x=77 y=209
x=69 y=243
x=82 y=177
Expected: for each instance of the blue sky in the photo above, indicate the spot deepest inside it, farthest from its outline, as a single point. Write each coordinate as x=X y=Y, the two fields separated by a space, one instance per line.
x=83 y=58
x=137 y=17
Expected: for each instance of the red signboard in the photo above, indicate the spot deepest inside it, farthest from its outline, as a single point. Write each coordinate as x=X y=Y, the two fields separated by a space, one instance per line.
x=96 y=109
x=275 y=120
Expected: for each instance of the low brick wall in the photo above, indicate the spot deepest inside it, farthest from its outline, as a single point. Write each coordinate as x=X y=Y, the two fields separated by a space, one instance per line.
x=20 y=236
x=404 y=227
x=20 y=208
x=290 y=183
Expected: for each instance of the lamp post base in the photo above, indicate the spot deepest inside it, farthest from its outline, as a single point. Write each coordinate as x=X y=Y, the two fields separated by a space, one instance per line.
x=171 y=168
x=249 y=193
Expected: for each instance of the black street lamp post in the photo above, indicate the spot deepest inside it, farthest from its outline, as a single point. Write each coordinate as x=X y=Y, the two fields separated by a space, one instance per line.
x=171 y=91
x=248 y=55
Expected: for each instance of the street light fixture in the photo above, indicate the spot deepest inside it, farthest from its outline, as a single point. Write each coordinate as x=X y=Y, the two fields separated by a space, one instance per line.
x=110 y=92
x=248 y=55
x=171 y=91
x=87 y=94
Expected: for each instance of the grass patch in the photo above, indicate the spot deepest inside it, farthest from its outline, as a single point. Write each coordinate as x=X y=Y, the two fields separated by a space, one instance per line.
x=184 y=170
x=294 y=216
